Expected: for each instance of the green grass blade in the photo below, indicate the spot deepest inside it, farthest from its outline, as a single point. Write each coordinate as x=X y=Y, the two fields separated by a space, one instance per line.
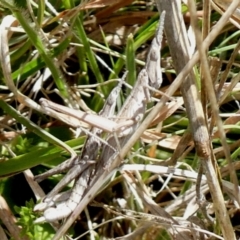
x=90 y=54
x=30 y=125
x=34 y=158
x=44 y=52
x=130 y=62
x=40 y=13
x=33 y=66
x=147 y=31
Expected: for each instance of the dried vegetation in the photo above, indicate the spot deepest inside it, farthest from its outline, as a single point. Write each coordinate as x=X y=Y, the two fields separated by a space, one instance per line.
x=180 y=178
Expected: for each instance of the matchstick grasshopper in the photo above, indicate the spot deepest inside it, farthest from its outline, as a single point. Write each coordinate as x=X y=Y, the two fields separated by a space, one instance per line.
x=88 y=182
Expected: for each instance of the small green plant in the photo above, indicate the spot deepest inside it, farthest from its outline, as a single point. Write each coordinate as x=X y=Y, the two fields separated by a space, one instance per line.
x=26 y=221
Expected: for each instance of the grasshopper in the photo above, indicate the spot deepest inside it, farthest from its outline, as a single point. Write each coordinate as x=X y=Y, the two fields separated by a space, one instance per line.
x=89 y=153
x=88 y=183
x=93 y=141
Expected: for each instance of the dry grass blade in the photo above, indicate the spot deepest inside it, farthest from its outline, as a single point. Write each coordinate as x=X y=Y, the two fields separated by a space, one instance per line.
x=222 y=5
x=210 y=173
x=195 y=110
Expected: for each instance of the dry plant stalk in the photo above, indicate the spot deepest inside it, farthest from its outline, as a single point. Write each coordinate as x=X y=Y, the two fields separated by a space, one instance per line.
x=178 y=43
x=221 y=6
